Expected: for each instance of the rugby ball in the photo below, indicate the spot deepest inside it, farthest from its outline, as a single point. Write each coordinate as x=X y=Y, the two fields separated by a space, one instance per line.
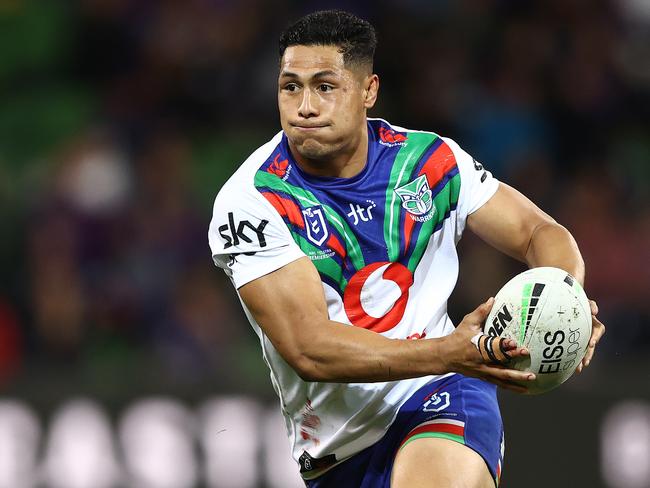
x=546 y=310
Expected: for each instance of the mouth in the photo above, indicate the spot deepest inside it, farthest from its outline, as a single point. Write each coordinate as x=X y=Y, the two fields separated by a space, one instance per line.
x=309 y=127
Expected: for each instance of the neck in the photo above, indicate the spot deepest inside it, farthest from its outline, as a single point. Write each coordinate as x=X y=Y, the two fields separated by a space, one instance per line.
x=345 y=163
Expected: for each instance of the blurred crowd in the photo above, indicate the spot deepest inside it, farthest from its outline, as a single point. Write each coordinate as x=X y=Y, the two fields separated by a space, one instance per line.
x=122 y=118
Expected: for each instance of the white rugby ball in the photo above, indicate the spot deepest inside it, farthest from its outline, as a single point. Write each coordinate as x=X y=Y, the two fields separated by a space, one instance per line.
x=546 y=310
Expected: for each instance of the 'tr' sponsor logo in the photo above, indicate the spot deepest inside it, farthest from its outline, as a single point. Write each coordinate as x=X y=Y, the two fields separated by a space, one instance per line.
x=361 y=214
x=233 y=232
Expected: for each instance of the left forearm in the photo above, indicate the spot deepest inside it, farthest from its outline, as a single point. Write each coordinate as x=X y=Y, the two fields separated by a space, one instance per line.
x=553 y=245
x=517 y=227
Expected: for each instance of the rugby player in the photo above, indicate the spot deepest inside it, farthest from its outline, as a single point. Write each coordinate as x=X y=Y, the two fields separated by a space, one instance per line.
x=340 y=235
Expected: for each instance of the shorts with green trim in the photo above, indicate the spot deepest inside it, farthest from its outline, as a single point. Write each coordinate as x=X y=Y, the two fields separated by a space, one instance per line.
x=457 y=408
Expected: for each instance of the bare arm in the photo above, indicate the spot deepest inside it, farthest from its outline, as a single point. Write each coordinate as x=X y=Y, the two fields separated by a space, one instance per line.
x=290 y=307
x=511 y=223
x=514 y=225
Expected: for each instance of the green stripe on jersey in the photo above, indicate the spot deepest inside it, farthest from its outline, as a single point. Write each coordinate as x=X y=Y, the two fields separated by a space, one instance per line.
x=308 y=199
x=439 y=435
x=443 y=201
x=400 y=174
x=326 y=266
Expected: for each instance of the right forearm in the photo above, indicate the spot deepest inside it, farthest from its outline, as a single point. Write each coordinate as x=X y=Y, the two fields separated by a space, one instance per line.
x=295 y=320
x=341 y=353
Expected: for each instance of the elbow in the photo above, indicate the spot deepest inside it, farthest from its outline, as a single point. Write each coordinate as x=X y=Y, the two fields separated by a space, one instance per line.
x=310 y=354
x=307 y=368
x=551 y=244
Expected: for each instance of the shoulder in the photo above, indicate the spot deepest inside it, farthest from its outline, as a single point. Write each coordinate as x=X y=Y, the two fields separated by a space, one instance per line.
x=379 y=124
x=448 y=151
x=243 y=179
x=396 y=134
x=442 y=159
x=239 y=204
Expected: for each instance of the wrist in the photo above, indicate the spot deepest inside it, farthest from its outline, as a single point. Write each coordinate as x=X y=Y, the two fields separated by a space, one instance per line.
x=441 y=357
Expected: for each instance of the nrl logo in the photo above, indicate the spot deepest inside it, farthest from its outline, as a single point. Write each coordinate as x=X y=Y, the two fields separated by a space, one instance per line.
x=416 y=199
x=437 y=402
x=315 y=225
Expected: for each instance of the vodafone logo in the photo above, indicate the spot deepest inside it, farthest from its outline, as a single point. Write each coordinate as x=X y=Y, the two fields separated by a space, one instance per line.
x=376 y=296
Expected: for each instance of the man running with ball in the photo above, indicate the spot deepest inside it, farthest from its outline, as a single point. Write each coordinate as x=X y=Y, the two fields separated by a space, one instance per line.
x=340 y=236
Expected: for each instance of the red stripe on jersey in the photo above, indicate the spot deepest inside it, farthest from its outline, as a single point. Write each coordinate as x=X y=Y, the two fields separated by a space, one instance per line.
x=439 y=163
x=409 y=223
x=286 y=208
x=335 y=245
x=443 y=428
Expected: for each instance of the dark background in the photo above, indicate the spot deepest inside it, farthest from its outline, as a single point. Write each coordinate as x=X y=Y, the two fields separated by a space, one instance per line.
x=120 y=120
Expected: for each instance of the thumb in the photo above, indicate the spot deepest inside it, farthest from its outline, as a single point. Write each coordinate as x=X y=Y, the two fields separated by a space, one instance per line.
x=478 y=316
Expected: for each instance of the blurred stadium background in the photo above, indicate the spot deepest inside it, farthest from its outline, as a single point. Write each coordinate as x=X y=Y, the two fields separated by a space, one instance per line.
x=124 y=357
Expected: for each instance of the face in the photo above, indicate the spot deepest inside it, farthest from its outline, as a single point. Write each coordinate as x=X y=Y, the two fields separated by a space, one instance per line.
x=322 y=103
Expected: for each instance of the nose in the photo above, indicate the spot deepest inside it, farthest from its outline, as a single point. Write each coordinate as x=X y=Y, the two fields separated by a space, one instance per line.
x=308 y=105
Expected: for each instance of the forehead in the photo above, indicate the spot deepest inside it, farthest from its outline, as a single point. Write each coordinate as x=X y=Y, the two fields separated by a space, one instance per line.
x=306 y=59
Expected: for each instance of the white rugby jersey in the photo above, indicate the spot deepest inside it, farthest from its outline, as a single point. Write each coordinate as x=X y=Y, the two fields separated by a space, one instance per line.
x=384 y=245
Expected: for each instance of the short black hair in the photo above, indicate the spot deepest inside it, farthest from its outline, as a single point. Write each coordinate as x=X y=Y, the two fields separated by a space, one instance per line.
x=355 y=37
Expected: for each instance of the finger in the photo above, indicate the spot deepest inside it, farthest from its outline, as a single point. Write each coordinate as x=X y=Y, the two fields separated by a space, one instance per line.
x=490 y=349
x=594 y=307
x=596 y=333
x=508 y=350
x=500 y=352
x=595 y=338
x=496 y=350
x=482 y=349
x=588 y=355
x=504 y=374
x=478 y=316
x=511 y=386
x=516 y=386
x=510 y=345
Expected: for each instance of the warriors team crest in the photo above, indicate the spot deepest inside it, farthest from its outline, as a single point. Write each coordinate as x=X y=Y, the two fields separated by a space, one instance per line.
x=315 y=224
x=416 y=198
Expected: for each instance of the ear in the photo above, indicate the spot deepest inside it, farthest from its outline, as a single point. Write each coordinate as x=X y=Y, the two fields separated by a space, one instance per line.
x=370 y=90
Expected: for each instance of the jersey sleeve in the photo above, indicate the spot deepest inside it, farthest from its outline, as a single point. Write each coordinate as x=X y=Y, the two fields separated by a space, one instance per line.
x=477 y=185
x=247 y=237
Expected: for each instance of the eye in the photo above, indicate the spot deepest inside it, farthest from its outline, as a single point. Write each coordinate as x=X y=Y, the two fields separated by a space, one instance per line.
x=290 y=87
x=325 y=88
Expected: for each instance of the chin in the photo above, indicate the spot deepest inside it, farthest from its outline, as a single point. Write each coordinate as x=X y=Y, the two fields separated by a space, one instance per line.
x=312 y=149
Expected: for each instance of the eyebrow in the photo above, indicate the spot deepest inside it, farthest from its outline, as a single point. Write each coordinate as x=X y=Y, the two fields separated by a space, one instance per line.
x=319 y=74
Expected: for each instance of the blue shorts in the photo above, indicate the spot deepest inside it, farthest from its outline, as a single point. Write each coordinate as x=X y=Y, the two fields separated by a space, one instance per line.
x=457 y=407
